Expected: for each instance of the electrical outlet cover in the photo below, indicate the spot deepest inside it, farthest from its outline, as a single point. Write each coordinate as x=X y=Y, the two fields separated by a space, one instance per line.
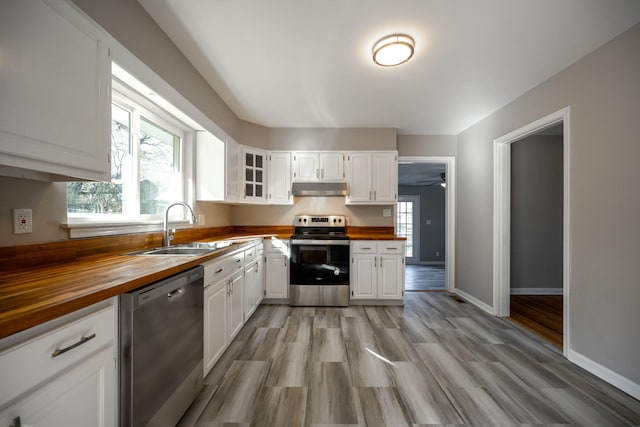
x=22 y=221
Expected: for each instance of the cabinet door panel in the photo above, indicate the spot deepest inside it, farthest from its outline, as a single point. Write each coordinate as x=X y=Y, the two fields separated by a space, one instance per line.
x=391 y=277
x=364 y=280
x=56 y=73
x=277 y=278
x=332 y=166
x=385 y=177
x=359 y=177
x=306 y=167
x=236 y=305
x=232 y=170
x=215 y=324
x=83 y=396
x=280 y=178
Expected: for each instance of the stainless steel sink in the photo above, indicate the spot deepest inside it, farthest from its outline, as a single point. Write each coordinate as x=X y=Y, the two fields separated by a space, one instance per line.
x=176 y=250
x=186 y=249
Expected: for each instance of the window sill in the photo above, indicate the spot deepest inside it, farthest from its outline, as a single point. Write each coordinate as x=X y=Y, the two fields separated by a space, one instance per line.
x=82 y=228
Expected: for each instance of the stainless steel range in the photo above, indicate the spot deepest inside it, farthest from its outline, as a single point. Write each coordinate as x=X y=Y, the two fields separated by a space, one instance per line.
x=319 y=267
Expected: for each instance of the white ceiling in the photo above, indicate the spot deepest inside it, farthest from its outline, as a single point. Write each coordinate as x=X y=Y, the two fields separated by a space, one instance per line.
x=302 y=63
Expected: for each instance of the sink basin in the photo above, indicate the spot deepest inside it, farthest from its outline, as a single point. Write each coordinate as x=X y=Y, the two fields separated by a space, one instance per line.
x=193 y=248
x=204 y=245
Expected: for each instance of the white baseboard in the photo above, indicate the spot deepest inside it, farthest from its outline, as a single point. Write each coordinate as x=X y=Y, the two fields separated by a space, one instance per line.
x=605 y=373
x=536 y=291
x=431 y=263
x=475 y=301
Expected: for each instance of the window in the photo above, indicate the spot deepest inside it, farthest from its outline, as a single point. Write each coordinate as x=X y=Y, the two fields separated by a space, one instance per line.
x=404 y=224
x=147 y=166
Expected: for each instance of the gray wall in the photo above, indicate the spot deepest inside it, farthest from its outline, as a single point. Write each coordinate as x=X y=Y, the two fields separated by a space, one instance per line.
x=339 y=139
x=427 y=145
x=603 y=91
x=432 y=207
x=132 y=26
x=536 y=212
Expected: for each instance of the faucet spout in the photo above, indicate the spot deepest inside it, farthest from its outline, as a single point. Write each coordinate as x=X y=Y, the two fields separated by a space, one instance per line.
x=166 y=238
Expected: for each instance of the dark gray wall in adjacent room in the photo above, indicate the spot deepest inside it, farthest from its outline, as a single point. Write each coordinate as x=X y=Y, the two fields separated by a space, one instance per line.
x=432 y=206
x=536 y=212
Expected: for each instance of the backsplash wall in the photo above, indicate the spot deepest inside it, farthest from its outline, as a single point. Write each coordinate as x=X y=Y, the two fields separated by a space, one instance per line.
x=283 y=214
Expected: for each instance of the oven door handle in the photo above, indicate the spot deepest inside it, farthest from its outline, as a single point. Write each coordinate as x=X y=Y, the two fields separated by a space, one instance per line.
x=320 y=242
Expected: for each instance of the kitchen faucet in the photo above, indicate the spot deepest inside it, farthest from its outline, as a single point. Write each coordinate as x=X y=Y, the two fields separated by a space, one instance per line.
x=167 y=237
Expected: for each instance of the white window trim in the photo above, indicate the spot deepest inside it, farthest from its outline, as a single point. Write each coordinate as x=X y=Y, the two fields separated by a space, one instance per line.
x=95 y=225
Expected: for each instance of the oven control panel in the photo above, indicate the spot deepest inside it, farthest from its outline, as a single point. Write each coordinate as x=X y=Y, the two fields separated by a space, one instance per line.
x=320 y=221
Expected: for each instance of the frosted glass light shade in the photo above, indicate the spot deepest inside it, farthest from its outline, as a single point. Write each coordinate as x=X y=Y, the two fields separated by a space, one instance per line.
x=393 y=50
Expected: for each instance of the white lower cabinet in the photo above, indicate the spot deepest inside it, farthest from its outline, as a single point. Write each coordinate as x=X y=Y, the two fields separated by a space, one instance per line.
x=236 y=304
x=276 y=269
x=65 y=377
x=233 y=289
x=253 y=284
x=377 y=269
x=215 y=316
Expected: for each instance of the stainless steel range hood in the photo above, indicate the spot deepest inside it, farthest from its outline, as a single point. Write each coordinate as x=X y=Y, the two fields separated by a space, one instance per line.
x=319 y=189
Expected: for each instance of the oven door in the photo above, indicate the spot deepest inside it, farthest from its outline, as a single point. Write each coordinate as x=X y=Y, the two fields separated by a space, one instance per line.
x=319 y=262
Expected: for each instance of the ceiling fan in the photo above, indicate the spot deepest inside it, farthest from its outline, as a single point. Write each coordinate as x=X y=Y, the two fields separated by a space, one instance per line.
x=434 y=180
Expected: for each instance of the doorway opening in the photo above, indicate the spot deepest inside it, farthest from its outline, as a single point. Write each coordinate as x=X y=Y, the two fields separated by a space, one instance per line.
x=425 y=215
x=531 y=251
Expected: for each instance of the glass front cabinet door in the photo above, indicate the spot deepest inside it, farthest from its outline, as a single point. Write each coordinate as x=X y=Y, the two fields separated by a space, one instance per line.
x=254 y=175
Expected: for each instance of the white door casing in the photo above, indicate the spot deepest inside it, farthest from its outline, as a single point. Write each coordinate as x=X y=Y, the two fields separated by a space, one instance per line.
x=450 y=211
x=502 y=215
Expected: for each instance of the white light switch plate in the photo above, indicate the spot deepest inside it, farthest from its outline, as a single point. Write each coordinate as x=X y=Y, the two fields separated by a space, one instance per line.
x=386 y=212
x=22 y=221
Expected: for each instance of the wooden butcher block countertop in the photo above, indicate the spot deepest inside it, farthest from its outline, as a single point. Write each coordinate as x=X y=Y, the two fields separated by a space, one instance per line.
x=42 y=282
x=34 y=296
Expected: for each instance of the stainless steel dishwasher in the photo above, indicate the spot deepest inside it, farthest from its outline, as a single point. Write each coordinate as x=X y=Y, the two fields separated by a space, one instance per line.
x=161 y=350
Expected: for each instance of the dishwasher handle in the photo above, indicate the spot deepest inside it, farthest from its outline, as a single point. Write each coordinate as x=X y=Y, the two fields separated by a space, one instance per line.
x=171 y=288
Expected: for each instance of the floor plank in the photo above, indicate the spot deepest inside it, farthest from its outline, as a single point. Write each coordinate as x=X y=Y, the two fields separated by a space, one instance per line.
x=541 y=314
x=424 y=277
x=435 y=361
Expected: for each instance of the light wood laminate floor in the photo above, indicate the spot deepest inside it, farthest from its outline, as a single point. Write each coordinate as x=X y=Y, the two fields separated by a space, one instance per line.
x=434 y=361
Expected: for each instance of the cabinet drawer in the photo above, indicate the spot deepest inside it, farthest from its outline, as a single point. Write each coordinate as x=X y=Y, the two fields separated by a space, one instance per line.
x=391 y=247
x=260 y=251
x=250 y=255
x=224 y=267
x=35 y=361
x=364 y=246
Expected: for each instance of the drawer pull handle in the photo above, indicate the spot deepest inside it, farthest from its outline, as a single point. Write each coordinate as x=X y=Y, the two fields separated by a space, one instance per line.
x=83 y=340
x=392 y=249
x=238 y=260
x=366 y=249
x=219 y=270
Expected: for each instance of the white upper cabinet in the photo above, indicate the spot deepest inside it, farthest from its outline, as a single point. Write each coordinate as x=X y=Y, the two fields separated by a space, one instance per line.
x=372 y=177
x=280 y=178
x=254 y=174
x=232 y=171
x=55 y=92
x=325 y=166
x=210 y=167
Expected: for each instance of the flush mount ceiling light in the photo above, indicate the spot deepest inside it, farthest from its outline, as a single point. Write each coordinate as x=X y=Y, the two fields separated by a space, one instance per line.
x=393 y=50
